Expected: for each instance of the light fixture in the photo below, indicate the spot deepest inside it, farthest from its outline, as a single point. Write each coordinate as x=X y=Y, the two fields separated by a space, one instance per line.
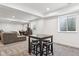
x=47 y=9
x=13 y=16
x=16 y=20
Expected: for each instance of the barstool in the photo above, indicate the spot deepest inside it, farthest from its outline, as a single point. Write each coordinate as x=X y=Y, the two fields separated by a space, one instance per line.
x=34 y=47
x=48 y=47
x=45 y=41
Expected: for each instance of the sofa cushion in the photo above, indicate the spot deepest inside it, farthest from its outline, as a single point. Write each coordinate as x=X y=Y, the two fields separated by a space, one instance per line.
x=8 y=37
x=21 y=38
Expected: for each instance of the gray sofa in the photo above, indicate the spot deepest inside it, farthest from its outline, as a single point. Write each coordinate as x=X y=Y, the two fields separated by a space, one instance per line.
x=0 y=33
x=11 y=37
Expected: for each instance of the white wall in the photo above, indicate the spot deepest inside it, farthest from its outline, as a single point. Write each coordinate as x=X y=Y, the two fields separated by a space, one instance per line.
x=38 y=24
x=50 y=26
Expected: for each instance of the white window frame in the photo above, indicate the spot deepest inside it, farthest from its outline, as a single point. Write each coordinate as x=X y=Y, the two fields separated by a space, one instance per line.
x=67 y=27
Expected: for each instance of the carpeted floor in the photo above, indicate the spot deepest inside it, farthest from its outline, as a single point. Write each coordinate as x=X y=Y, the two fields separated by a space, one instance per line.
x=20 y=49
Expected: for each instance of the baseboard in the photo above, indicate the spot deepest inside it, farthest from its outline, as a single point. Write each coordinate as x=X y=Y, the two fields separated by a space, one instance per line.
x=66 y=45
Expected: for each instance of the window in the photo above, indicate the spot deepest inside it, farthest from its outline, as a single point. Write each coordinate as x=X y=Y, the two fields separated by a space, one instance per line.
x=66 y=24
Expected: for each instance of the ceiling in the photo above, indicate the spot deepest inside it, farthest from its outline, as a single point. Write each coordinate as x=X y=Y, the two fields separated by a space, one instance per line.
x=41 y=7
x=12 y=14
x=25 y=12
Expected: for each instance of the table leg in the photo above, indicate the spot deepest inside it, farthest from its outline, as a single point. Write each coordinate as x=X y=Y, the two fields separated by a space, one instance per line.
x=52 y=45
x=29 y=48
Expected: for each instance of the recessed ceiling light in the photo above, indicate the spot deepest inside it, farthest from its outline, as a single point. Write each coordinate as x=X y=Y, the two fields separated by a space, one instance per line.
x=13 y=16
x=47 y=9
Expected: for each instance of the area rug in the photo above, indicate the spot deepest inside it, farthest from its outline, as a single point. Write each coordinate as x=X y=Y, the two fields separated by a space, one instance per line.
x=14 y=49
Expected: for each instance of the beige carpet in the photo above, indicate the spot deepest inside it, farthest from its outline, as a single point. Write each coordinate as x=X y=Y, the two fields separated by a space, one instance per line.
x=14 y=49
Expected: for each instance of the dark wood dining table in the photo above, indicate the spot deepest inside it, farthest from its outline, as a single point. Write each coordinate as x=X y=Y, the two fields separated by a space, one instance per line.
x=40 y=37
